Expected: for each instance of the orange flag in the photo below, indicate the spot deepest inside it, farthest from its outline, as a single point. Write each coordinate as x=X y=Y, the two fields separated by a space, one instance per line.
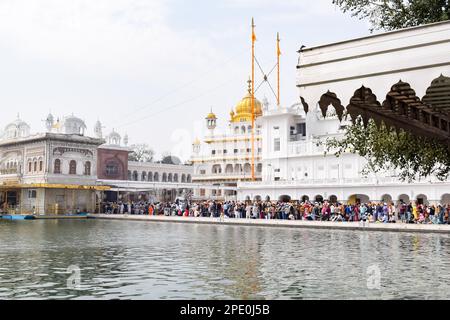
x=253 y=31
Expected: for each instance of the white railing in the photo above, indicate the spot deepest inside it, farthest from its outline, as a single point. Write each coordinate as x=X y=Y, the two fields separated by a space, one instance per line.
x=247 y=175
x=305 y=148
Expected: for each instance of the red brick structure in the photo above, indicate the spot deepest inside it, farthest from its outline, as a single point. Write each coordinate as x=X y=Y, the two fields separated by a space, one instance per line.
x=112 y=163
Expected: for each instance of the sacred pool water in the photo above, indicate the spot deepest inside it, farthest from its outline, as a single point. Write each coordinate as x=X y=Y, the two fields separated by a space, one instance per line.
x=98 y=259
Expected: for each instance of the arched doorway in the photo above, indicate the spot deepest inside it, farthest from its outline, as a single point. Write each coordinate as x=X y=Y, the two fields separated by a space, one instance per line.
x=386 y=198
x=284 y=198
x=445 y=199
x=304 y=198
x=403 y=198
x=318 y=198
x=422 y=199
x=358 y=198
x=267 y=198
x=333 y=199
x=258 y=198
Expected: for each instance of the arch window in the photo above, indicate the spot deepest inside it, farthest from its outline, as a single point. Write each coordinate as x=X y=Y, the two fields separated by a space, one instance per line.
x=73 y=167
x=189 y=178
x=41 y=165
x=216 y=169
x=112 y=169
x=229 y=169
x=150 y=176
x=164 y=177
x=87 y=168
x=259 y=168
x=156 y=177
x=57 y=166
x=175 y=177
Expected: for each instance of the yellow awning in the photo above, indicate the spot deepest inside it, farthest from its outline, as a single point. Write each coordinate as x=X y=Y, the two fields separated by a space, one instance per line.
x=54 y=186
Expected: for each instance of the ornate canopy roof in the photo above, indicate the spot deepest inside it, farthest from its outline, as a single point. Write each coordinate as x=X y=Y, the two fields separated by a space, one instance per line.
x=401 y=109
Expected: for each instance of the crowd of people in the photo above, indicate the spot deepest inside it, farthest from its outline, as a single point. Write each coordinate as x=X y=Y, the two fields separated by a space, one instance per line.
x=378 y=212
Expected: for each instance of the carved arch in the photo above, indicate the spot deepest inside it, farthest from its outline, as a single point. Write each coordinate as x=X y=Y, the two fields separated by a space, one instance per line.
x=330 y=98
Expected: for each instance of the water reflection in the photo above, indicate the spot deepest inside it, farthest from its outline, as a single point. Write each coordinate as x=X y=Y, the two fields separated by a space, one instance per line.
x=135 y=260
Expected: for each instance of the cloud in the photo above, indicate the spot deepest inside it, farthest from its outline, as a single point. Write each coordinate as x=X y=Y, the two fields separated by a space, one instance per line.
x=148 y=67
x=119 y=36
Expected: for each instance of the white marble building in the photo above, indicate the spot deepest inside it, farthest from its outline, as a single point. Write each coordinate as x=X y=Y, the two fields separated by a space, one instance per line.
x=48 y=171
x=223 y=159
x=294 y=164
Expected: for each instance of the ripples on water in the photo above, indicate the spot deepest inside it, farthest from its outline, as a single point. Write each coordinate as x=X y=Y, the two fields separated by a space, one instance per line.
x=135 y=260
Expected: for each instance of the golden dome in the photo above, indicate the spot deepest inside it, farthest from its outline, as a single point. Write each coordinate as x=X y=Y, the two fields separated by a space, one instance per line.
x=196 y=142
x=211 y=115
x=244 y=108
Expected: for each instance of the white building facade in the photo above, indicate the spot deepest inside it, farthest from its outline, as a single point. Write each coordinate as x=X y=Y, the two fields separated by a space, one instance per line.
x=50 y=171
x=224 y=159
x=294 y=164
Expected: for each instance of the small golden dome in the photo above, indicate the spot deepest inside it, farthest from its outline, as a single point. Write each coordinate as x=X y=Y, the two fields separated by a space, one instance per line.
x=196 y=142
x=244 y=108
x=211 y=115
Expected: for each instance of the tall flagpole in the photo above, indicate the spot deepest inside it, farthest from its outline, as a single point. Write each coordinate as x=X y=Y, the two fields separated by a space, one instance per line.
x=253 y=100
x=278 y=67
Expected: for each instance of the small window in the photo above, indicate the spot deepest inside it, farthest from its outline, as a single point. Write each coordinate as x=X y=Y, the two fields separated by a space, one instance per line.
x=29 y=166
x=276 y=144
x=225 y=151
x=213 y=152
x=35 y=166
x=32 y=194
x=202 y=171
x=41 y=166
x=236 y=150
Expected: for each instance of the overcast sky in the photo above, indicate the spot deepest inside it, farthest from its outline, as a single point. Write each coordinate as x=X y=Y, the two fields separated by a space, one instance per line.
x=151 y=68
